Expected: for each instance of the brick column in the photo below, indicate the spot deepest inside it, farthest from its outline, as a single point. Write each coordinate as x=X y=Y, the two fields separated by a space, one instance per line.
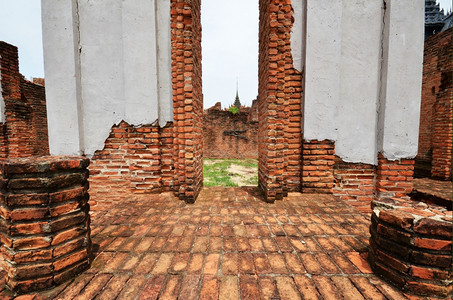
x=279 y=103
x=187 y=97
x=394 y=177
x=18 y=114
x=443 y=130
x=44 y=221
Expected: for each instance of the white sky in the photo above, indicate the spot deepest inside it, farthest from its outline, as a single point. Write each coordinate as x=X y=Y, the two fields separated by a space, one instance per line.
x=230 y=44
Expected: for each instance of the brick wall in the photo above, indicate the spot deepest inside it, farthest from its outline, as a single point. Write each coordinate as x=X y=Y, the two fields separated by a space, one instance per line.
x=394 y=178
x=354 y=183
x=279 y=103
x=228 y=135
x=25 y=128
x=438 y=62
x=317 y=166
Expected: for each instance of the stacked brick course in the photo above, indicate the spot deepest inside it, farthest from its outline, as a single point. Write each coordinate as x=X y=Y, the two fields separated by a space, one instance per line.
x=227 y=135
x=279 y=103
x=317 y=168
x=411 y=244
x=187 y=97
x=435 y=133
x=394 y=178
x=354 y=183
x=44 y=220
x=24 y=132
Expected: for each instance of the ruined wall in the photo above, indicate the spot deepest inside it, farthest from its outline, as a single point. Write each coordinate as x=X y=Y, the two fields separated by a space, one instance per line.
x=435 y=114
x=23 y=127
x=361 y=83
x=134 y=159
x=227 y=135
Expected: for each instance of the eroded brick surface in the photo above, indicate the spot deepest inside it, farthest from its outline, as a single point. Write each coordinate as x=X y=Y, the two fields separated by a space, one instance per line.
x=230 y=243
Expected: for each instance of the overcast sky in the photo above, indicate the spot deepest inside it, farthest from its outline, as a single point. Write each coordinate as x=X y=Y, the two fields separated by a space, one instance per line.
x=230 y=44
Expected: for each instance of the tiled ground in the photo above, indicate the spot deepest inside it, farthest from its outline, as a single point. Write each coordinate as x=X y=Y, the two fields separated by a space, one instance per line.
x=228 y=245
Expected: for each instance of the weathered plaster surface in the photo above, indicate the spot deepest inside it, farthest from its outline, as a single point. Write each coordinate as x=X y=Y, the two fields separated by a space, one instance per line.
x=359 y=80
x=124 y=67
x=322 y=69
x=298 y=35
x=62 y=69
x=401 y=79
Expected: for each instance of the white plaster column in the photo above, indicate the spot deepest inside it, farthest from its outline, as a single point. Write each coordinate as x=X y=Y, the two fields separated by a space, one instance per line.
x=361 y=31
x=164 y=82
x=401 y=79
x=62 y=69
x=115 y=65
x=322 y=68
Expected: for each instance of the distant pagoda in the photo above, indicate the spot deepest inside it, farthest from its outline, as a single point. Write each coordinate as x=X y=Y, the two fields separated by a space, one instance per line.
x=237 y=102
x=435 y=19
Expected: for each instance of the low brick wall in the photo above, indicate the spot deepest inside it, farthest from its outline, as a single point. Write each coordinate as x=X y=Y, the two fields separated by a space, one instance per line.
x=44 y=221
x=228 y=135
x=354 y=183
x=411 y=245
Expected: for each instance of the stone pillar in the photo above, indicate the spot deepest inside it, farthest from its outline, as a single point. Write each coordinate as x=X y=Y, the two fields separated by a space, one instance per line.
x=44 y=221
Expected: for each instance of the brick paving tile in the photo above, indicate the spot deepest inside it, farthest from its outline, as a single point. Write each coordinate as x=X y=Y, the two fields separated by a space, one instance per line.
x=228 y=288
x=267 y=287
x=249 y=287
x=287 y=288
x=113 y=287
x=438 y=188
x=229 y=244
x=306 y=287
x=190 y=287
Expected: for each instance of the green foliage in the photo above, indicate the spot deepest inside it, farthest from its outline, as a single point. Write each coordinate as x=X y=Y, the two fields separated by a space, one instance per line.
x=215 y=171
x=233 y=109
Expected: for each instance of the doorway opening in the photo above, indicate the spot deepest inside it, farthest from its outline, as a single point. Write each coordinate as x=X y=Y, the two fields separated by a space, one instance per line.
x=230 y=88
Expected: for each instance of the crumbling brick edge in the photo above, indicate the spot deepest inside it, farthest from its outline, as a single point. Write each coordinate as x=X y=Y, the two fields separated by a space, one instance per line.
x=411 y=246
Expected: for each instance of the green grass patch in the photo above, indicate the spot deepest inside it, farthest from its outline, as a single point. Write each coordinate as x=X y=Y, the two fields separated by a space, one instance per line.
x=217 y=172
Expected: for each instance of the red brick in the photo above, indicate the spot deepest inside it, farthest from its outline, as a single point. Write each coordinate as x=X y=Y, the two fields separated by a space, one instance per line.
x=229 y=288
x=189 y=287
x=152 y=288
x=433 y=227
x=433 y=244
x=209 y=288
x=306 y=287
x=230 y=264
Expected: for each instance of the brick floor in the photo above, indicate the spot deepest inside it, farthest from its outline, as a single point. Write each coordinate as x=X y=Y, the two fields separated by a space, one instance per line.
x=228 y=245
x=438 y=188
